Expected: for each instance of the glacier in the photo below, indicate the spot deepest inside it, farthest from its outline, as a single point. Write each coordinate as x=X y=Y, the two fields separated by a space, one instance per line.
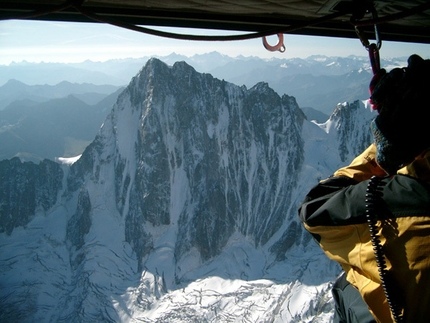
x=182 y=209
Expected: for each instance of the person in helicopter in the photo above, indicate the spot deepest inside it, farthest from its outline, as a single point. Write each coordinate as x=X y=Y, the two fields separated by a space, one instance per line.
x=373 y=216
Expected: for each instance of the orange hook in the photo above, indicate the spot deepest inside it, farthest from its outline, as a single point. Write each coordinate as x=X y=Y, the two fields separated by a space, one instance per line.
x=278 y=47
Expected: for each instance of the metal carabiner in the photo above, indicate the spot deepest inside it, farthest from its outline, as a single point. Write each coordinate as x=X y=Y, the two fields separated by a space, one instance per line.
x=362 y=36
x=278 y=47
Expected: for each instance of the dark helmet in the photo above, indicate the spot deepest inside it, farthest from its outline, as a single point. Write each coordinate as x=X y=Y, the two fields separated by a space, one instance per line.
x=402 y=98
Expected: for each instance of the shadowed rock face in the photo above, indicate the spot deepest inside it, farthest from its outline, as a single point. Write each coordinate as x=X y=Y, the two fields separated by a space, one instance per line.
x=26 y=188
x=236 y=151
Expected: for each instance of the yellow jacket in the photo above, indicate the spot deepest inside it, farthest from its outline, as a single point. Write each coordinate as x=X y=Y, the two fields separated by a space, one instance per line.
x=334 y=213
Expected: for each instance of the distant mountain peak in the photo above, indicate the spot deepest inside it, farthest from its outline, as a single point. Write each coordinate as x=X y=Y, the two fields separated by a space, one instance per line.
x=14 y=84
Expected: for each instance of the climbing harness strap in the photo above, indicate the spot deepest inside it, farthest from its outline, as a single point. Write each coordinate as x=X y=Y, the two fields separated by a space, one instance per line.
x=375 y=63
x=377 y=72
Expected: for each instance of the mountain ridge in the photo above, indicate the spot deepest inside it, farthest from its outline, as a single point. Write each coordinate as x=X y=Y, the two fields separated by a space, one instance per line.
x=14 y=90
x=61 y=127
x=332 y=73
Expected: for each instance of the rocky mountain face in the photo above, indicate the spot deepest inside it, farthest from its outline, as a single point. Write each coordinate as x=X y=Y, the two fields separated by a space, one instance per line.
x=183 y=209
x=26 y=188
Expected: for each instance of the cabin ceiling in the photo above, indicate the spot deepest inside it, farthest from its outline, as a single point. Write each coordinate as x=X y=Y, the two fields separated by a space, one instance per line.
x=405 y=21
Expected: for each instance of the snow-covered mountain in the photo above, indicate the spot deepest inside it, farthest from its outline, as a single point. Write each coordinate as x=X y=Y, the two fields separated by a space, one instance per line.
x=183 y=209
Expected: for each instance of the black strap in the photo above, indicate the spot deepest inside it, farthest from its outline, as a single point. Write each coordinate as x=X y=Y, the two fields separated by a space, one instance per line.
x=373 y=198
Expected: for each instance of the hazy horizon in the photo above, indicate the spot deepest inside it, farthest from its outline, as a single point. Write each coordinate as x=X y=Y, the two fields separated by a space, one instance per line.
x=54 y=42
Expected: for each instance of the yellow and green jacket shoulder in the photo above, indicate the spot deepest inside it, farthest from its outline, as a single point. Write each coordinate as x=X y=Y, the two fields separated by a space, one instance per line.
x=334 y=213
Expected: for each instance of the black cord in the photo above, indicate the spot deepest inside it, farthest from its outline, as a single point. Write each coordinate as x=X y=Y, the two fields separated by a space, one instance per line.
x=77 y=5
x=246 y=36
x=373 y=199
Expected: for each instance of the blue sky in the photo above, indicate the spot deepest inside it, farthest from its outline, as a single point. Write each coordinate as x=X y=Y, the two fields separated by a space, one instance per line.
x=36 y=41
